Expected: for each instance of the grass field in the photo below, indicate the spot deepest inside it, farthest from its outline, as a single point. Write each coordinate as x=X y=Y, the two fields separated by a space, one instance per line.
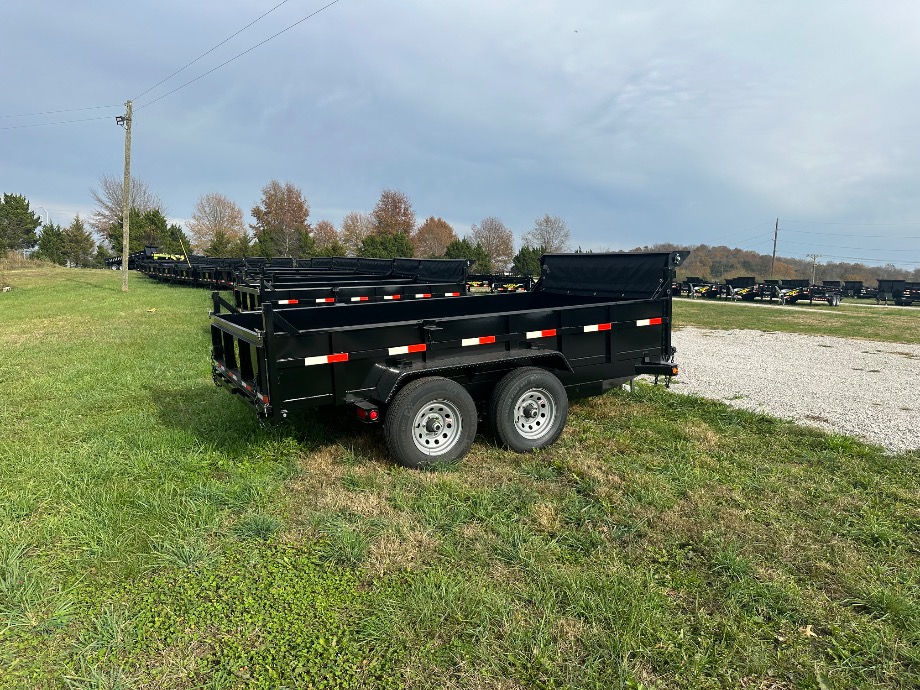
x=154 y=535
x=852 y=319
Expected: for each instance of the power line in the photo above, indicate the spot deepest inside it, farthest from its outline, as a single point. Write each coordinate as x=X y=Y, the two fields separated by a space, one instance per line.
x=861 y=259
x=866 y=225
x=753 y=227
x=840 y=234
x=248 y=50
x=56 y=112
x=837 y=246
x=60 y=122
x=208 y=52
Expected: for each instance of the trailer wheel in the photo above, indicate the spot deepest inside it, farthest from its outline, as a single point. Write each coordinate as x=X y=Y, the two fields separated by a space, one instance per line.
x=431 y=420
x=528 y=409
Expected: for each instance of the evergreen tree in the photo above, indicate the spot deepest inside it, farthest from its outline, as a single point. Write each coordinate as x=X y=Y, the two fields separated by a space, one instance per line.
x=387 y=246
x=17 y=224
x=78 y=244
x=465 y=249
x=527 y=261
x=50 y=245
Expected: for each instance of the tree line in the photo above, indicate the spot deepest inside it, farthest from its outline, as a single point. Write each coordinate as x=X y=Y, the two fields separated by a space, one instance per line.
x=283 y=227
x=718 y=263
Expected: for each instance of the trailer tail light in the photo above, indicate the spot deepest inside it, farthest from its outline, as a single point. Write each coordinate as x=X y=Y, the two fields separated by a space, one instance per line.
x=359 y=299
x=548 y=333
x=326 y=359
x=597 y=327
x=367 y=412
x=392 y=297
x=484 y=340
x=649 y=322
x=325 y=300
x=287 y=301
x=407 y=349
x=422 y=295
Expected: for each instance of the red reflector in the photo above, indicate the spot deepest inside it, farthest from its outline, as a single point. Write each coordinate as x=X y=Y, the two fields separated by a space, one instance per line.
x=374 y=414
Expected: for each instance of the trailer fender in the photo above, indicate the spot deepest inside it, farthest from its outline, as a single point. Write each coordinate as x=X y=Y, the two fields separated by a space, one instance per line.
x=385 y=380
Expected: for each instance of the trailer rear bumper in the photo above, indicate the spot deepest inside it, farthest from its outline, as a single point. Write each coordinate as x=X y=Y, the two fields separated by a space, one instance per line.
x=657 y=368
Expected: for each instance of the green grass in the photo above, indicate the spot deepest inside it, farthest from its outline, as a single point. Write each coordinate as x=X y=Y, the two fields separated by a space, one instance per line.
x=852 y=319
x=154 y=535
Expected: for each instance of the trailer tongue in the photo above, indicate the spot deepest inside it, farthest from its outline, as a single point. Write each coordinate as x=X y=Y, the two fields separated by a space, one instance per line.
x=429 y=369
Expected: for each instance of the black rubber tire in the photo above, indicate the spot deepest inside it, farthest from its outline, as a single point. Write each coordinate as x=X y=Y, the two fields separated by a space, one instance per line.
x=507 y=393
x=409 y=402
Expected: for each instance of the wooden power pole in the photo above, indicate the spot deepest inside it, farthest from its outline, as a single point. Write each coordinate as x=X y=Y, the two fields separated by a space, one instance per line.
x=126 y=207
x=773 y=263
x=814 y=262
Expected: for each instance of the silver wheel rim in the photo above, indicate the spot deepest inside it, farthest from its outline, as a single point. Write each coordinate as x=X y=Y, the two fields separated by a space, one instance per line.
x=436 y=427
x=534 y=413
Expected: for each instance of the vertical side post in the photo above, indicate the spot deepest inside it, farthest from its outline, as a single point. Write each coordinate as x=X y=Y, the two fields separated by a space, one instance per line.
x=126 y=208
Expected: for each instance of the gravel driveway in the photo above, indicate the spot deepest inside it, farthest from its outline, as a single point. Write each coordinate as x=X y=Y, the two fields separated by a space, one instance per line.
x=862 y=388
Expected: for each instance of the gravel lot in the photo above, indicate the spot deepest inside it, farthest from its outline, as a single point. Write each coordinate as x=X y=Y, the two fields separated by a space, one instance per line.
x=862 y=388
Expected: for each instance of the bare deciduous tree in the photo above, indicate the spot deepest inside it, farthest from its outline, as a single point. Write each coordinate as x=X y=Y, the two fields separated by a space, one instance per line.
x=215 y=215
x=549 y=232
x=496 y=239
x=432 y=238
x=355 y=227
x=281 y=226
x=110 y=201
x=393 y=213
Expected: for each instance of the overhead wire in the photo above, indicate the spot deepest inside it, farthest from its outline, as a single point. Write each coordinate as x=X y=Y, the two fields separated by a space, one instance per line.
x=837 y=246
x=60 y=122
x=866 y=225
x=248 y=50
x=211 y=50
x=57 y=112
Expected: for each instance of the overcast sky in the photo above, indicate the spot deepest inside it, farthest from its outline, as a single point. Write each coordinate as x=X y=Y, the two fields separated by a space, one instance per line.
x=637 y=122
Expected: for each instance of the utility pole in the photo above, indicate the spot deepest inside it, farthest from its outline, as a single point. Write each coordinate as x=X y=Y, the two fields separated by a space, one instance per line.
x=125 y=121
x=773 y=263
x=814 y=262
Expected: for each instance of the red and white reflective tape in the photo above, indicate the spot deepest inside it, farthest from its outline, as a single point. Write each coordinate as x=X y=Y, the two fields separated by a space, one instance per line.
x=287 y=301
x=264 y=399
x=548 y=333
x=360 y=299
x=484 y=340
x=392 y=297
x=593 y=328
x=407 y=349
x=326 y=359
x=649 y=322
x=451 y=294
x=422 y=295
x=325 y=300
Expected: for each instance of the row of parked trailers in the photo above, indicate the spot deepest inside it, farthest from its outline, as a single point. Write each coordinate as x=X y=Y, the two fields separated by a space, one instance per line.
x=900 y=292
x=256 y=278
x=403 y=343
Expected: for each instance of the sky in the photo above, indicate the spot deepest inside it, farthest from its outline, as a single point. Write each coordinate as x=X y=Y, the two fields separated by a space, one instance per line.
x=637 y=122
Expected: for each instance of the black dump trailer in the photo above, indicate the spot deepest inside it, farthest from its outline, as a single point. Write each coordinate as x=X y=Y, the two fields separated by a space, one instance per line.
x=429 y=370
x=904 y=293
x=394 y=279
